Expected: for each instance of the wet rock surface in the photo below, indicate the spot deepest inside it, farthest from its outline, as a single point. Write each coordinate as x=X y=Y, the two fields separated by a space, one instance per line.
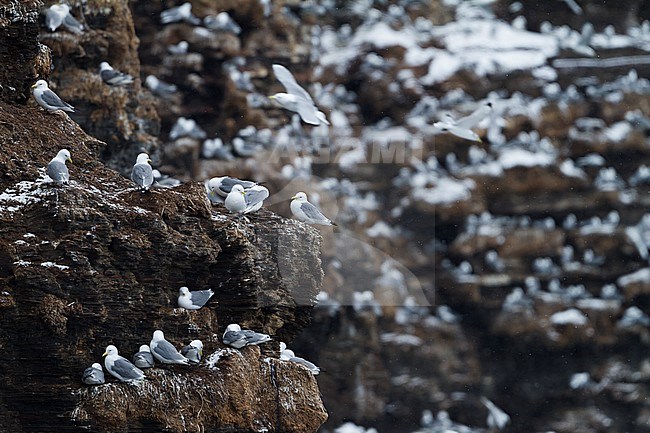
x=97 y=262
x=514 y=268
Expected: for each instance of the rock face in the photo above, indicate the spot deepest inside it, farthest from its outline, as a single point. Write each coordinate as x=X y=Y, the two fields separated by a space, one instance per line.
x=124 y=117
x=97 y=262
x=23 y=58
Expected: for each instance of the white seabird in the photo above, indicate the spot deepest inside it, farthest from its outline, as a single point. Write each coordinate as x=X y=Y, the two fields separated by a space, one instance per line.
x=121 y=367
x=59 y=14
x=142 y=173
x=159 y=87
x=223 y=185
x=462 y=127
x=48 y=99
x=222 y=22
x=57 y=170
x=288 y=355
x=245 y=201
x=143 y=358
x=164 y=351
x=93 y=375
x=193 y=351
x=235 y=337
x=179 y=13
x=193 y=300
x=186 y=128
x=112 y=77
x=297 y=99
x=307 y=212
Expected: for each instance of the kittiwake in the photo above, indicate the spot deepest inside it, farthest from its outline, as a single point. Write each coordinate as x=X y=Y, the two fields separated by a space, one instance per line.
x=143 y=358
x=160 y=88
x=288 y=355
x=59 y=14
x=245 y=201
x=297 y=99
x=112 y=77
x=57 y=170
x=222 y=22
x=193 y=300
x=164 y=351
x=186 y=128
x=462 y=128
x=238 y=338
x=121 y=367
x=223 y=185
x=48 y=99
x=179 y=13
x=93 y=375
x=307 y=212
x=193 y=351
x=142 y=173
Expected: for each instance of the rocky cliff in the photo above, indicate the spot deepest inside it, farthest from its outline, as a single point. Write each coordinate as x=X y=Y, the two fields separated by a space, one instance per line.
x=96 y=262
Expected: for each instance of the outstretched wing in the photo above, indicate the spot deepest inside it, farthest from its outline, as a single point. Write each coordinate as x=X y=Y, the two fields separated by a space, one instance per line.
x=229 y=182
x=255 y=196
x=286 y=78
x=475 y=117
x=307 y=111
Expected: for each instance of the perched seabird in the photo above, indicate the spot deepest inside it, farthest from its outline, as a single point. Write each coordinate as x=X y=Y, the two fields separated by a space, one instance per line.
x=160 y=88
x=93 y=375
x=193 y=351
x=238 y=338
x=245 y=201
x=235 y=201
x=121 y=367
x=57 y=170
x=288 y=355
x=307 y=212
x=297 y=99
x=179 y=48
x=222 y=22
x=223 y=185
x=112 y=77
x=164 y=351
x=48 y=99
x=214 y=148
x=462 y=127
x=179 y=13
x=143 y=358
x=186 y=128
x=193 y=300
x=142 y=173
x=59 y=14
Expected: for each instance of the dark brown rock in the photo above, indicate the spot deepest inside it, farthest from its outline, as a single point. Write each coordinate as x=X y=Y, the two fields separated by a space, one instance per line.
x=23 y=58
x=97 y=262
